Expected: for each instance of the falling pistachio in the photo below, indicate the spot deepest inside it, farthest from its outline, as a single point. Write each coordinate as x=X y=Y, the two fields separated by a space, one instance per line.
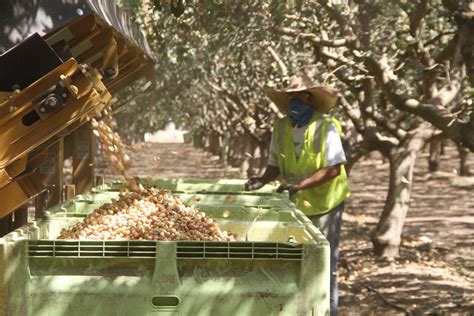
x=306 y=204
x=115 y=149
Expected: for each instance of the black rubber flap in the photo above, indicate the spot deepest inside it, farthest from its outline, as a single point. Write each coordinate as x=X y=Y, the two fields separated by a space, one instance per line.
x=26 y=62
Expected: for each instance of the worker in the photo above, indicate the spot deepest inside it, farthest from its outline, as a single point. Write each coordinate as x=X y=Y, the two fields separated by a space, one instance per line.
x=306 y=153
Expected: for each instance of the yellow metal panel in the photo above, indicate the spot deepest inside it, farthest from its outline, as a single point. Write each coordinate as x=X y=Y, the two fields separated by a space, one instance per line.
x=22 y=143
x=51 y=172
x=83 y=159
x=102 y=46
x=12 y=170
x=11 y=197
x=17 y=193
x=28 y=128
x=99 y=41
x=63 y=35
x=78 y=28
x=81 y=48
x=88 y=93
x=130 y=75
x=4 y=96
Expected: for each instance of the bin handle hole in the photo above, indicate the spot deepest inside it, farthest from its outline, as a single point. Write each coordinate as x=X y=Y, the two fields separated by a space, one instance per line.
x=165 y=301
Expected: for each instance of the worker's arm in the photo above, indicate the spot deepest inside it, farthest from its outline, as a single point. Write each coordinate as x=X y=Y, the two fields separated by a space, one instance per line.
x=319 y=177
x=270 y=174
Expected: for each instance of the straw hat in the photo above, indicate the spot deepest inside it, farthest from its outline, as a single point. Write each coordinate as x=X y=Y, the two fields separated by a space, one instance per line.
x=324 y=98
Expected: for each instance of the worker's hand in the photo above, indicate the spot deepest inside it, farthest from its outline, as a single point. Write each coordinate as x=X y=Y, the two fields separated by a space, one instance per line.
x=291 y=188
x=254 y=183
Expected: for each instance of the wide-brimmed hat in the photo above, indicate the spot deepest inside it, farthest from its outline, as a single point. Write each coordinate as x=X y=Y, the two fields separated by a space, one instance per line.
x=324 y=98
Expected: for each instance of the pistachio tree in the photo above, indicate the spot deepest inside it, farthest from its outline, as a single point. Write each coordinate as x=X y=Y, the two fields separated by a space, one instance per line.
x=402 y=68
x=403 y=72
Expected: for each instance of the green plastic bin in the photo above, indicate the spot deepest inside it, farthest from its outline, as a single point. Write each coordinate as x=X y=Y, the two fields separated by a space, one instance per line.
x=278 y=266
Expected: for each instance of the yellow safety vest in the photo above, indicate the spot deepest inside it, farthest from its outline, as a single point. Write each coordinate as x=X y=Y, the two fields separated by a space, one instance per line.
x=322 y=198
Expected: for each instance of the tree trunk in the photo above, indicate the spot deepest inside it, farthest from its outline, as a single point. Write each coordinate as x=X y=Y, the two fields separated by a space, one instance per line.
x=259 y=158
x=254 y=167
x=352 y=159
x=264 y=152
x=387 y=236
x=435 y=151
x=260 y=152
x=464 y=169
x=240 y=149
x=353 y=146
x=213 y=143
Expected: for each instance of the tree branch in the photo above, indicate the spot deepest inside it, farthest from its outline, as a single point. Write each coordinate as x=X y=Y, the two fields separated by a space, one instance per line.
x=452 y=88
x=372 y=138
x=439 y=36
x=281 y=64
x=342 y=21
x=382 y=121
x=417 y=16
x=315 y=39
x=436 y=114
x=353 y=113
x=334 y=56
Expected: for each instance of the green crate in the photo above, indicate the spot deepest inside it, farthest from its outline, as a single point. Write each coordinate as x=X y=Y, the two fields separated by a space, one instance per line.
x=279 y=265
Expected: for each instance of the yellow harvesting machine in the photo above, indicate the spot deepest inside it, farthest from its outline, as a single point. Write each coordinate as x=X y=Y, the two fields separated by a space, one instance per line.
x=54 y=83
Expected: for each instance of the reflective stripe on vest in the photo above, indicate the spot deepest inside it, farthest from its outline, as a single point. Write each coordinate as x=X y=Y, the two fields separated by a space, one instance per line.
x=322 y=198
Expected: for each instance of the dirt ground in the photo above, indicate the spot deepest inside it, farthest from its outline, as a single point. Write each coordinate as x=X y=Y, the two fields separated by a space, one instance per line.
x=434 y=273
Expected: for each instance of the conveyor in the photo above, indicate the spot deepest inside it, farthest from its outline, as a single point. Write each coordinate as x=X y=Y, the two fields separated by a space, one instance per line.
x=55 y=81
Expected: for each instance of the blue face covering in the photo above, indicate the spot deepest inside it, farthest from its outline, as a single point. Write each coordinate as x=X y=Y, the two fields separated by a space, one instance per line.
x=299 y=113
